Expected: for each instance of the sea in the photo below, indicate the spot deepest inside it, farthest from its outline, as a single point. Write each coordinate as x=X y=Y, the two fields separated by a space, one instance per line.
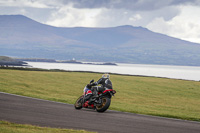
x=163 y=71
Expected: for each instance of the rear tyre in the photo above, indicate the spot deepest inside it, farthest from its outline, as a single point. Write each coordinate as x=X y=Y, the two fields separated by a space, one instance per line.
x=104 y=106
x=78 y=103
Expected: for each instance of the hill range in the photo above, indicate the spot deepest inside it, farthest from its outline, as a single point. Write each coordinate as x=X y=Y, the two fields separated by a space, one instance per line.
x=23 y=37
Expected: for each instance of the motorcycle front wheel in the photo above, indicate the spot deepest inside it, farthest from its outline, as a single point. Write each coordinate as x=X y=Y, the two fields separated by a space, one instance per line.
x=78 y=103
x=104 y=105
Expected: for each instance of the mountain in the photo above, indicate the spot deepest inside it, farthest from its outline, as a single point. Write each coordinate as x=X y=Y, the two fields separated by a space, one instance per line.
x=23 y=37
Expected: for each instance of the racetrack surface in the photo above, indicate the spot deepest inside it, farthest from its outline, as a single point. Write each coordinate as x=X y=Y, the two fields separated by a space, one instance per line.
x=25 y=110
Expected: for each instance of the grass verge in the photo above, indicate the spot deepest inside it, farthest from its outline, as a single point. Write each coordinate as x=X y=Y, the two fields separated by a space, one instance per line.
x=8 y=127
x=144 y=95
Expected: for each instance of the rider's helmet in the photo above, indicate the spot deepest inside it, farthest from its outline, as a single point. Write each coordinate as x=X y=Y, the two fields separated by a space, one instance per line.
x=106 y=76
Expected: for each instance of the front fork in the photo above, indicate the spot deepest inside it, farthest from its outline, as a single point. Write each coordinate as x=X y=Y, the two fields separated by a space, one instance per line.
x=83 y=102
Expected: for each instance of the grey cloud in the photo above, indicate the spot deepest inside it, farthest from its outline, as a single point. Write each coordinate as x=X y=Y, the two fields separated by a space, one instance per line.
x=125 y=4
x=121 y=17
x=128 y=4
x=134 y=5
x=183 y=2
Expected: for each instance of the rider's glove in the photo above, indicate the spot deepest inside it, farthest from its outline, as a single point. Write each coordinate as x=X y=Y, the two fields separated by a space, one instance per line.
x=93 y=84
x=89 y=86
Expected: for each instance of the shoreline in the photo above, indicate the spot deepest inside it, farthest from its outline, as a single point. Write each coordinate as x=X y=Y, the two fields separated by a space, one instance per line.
x=30 y=68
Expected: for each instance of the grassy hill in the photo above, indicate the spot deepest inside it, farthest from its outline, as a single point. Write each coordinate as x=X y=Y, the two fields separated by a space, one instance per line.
x=7 y=61
x=143 y=95
x=5 y=58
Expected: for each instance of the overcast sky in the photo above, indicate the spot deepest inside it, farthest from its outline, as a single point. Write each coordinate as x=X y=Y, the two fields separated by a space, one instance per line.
x=177 y=18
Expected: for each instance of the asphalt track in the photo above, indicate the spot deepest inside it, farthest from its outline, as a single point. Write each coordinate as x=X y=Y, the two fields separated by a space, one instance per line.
x=25 y=110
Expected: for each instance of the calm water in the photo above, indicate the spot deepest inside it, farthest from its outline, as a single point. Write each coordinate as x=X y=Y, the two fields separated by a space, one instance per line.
x=175 y=72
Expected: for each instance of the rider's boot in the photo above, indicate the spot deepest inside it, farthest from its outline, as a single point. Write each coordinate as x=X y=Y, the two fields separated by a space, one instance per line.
x=93 y=98
x=90 y=101
x=95 y=93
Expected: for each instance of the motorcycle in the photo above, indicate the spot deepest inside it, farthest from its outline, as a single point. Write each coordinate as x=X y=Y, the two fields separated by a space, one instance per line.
x=100 y=103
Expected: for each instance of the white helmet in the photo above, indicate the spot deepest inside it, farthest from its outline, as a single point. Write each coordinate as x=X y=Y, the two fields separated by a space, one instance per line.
x=106 y=76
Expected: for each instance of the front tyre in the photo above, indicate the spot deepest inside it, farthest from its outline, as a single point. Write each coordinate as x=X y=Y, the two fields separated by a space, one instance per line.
x=104 y=105
x=78 y=103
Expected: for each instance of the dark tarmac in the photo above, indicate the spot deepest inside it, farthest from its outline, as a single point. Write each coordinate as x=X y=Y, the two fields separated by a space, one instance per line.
x=25 y=110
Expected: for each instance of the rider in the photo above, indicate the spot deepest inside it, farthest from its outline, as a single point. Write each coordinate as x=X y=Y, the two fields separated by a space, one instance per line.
x=105 y=83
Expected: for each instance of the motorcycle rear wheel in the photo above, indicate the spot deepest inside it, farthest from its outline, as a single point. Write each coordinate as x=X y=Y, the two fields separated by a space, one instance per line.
x=78 y=103
x=104 y=106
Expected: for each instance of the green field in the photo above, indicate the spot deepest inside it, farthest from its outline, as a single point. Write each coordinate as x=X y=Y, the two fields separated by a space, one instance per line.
x=142 y=95
x=7 y=127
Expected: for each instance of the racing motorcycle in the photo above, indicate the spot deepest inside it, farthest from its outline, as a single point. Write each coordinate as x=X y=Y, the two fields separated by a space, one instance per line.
x=100 y=103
